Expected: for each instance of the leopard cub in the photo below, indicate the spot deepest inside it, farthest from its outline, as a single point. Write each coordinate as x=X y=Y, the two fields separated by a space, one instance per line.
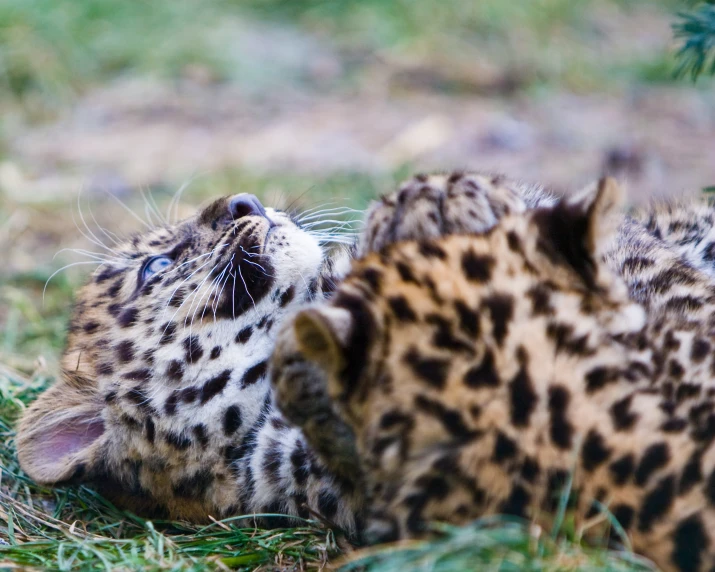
x=469 y=374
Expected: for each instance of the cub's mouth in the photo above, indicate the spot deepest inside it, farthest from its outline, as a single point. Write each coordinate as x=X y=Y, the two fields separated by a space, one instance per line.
x=243 y=273
x=259 y=252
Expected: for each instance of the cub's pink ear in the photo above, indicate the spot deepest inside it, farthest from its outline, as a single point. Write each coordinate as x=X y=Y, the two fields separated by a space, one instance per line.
x=61 y=433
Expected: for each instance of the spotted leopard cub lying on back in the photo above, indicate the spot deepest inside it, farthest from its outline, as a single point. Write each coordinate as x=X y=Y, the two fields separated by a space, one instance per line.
x=471 y=375
x=164 y=402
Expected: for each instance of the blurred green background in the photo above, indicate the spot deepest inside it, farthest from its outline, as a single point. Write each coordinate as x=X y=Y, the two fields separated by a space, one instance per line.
x=314 y=101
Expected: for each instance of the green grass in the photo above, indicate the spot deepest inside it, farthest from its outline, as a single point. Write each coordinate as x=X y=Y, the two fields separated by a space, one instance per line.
x=55 y=48
x=451 y=25
x=52 y=50
x=499 y=543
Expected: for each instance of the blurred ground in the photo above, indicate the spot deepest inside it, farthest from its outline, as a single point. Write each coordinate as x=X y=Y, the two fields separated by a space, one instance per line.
x=146 y=133
x=320 y=101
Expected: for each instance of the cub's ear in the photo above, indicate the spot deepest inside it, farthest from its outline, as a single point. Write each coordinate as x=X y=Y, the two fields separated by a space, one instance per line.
x=322 y=335
x=600 y=205
x=580 y=229
x=62 y=432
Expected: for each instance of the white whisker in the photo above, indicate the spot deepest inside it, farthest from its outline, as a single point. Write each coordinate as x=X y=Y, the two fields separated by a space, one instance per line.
x=334 y=235
x=172 y=209
x=329 y=221
x=220 y=294
x=211 y=287
x=130 y=211
x=233 y=297
x=97 y=240
x=150 y=209
x=321 y=206
x=194 y=272
x=213 y=251
x=253 y=254
x=110 y=235
x=184 y=300
x=158 y=212
x=261 y=268
x=56 y=272
x=197 y=299
x=305 y=282
x=238 y=267
x=87 y=236
x=328 y=212
x=90 y=254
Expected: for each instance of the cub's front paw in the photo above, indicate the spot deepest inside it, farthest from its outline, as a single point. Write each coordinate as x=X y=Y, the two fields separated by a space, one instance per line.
x=301 y=393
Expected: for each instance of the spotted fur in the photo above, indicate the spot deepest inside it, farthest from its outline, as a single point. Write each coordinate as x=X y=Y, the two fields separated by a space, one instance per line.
x=476 y=374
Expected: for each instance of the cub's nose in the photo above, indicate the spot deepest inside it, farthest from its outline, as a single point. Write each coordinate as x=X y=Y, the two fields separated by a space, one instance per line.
x=245 y=205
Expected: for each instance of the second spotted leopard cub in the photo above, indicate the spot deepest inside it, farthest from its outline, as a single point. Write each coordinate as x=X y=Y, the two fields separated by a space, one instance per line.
x=471 y=375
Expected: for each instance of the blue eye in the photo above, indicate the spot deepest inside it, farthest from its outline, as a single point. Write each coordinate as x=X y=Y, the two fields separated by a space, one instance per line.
x=155 y=265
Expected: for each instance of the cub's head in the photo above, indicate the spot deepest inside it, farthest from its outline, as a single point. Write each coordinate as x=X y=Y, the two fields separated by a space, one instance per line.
x=165 y=362
x=428 y=342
